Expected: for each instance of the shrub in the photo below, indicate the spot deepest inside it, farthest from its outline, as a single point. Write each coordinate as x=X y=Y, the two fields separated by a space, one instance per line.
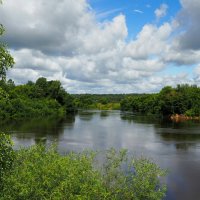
x=40 y=173
x=6 y=156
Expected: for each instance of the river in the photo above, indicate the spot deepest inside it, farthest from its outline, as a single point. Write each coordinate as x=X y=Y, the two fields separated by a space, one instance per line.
x=174 y=146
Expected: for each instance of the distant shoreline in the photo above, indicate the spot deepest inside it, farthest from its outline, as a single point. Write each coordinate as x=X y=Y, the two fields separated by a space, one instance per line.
x=181 y=117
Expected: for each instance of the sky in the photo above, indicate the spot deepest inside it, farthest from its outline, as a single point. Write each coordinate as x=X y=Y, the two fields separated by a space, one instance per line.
x=104 y=46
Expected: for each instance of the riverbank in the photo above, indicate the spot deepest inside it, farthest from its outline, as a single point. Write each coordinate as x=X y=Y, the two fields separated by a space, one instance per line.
x=181 y=117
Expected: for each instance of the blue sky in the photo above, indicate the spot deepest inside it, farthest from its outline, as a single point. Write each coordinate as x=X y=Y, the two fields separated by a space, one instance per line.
x=104 y=46
x=137 y=12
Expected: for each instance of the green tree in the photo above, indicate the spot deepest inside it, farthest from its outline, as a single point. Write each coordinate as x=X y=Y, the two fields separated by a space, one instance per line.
x=6 y=60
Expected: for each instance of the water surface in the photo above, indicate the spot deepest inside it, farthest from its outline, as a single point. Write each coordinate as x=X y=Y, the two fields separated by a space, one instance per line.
x=174 y=146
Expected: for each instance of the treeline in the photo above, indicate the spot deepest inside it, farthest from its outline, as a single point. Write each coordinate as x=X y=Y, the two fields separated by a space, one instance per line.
x=42 y=173
x=34 y=99
x=98 y=101
x=183 y=99
x=47 y=98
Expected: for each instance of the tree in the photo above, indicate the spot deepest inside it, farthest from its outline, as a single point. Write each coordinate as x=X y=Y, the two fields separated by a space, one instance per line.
x=6 y=60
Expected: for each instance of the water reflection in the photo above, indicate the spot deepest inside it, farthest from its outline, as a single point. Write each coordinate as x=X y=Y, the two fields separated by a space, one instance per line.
x=35 y=131
x=86 y=115
x=138 y=118
x=185 y=146
x=172 y=145
x=178 y=137
x=184 y=135
x=104 y=114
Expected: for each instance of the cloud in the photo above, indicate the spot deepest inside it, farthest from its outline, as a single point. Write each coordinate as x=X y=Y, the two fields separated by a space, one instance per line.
x=150 y=41
x=65 y=41
x=138 y=11
x=196 y=74
x=48 y=26
x=104 y=14
x=181 y=57
x=161 y=12
x=188 y=20
x=184 y=48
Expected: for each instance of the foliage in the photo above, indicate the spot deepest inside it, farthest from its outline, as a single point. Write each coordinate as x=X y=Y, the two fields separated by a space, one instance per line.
x=184 y=99
x=98 y=101
x=6 y=155
x=43 y=98
x=107 y=106
x=40 y=173
x=139 y=181
x=6 y=60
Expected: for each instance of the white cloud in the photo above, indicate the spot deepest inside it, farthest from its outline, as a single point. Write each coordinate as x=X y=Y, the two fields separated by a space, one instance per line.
x=138 y=11
x=104 y=14
x=184 y=48
x=48 y=26
x=196 y=74
x=162 y=11
x=152 y=40
x=63 y=40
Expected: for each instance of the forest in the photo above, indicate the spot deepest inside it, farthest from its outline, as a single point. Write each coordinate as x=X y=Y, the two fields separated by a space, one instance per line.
x=98 y=101
x=183 y=99
x=49 y=98
x=39 y=99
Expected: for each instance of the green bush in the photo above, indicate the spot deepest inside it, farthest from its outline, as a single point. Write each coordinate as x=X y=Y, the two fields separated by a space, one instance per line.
x=6 y=156
x=40 y=173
